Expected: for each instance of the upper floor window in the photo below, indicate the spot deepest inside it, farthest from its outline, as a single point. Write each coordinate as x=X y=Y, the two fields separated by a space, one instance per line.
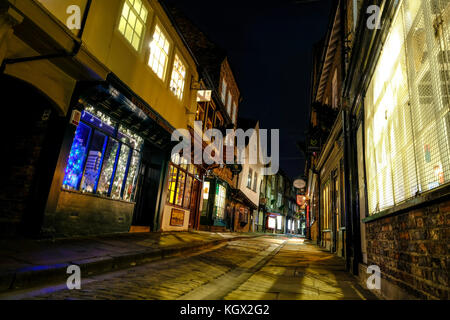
x=335 y=91
x=178 y=78
x=224 y=90
x=159 y=53
x=249 y=179
x=229 y=103
x=255 y=181
x=132 y=21
x=234 y=116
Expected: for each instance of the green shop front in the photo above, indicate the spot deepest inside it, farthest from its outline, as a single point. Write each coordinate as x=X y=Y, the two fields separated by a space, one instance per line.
x=216 y=211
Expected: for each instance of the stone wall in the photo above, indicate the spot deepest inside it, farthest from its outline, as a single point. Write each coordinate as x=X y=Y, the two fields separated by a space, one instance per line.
x=80 y=214
x=412 y=251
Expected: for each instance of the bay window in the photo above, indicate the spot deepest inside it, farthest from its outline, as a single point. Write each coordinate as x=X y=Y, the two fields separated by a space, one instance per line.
x=104 y=158
x=407 y=107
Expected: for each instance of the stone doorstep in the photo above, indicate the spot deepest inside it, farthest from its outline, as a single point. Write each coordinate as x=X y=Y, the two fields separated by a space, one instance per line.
x=33 y=276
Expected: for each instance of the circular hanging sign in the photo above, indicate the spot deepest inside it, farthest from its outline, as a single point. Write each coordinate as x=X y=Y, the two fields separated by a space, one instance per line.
x=299 y=183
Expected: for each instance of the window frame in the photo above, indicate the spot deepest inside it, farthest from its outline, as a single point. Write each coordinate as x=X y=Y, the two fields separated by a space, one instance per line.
x=188 y=175
x=121 y=143
x=157 y=24
x=183 y=88
x=144 y=27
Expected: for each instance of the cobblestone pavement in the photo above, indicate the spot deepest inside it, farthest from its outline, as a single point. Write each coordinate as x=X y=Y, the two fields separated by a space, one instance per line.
x=267 y=268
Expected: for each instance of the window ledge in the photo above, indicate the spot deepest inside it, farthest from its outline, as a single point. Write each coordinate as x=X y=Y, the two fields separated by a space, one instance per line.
x=421 y=200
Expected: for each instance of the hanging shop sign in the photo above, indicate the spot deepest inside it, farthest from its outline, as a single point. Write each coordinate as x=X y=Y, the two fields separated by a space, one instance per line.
x=300 y=183
x=301 y=200
x=204 y=95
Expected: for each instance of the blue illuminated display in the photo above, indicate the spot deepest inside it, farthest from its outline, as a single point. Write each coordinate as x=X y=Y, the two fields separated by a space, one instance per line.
x=100 y=164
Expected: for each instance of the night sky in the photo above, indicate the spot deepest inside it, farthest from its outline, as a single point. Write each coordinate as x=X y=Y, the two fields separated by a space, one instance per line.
x=269 y=45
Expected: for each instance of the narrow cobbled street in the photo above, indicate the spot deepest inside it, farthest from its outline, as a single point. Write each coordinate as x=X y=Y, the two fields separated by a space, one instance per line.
x=265 y=268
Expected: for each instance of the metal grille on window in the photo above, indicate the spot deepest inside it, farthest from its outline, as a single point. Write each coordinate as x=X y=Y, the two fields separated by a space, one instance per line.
x=407 y=107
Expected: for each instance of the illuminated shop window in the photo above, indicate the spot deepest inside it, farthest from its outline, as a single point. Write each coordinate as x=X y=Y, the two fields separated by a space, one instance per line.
x=272 y=223
x=206 y=189
x=280 y=223
x=159 y=53
x=178 y=78
x=407 y=108
x=132 y=21
x=104 y=158
x=221 y=193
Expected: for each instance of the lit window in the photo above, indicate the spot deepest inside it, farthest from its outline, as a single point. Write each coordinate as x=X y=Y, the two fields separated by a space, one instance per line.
x=132 y=21
x=178 y=78
x=159 y=53
x=272 y=223
x=335 y=91
x=407 y=115
x=280 y=223
x=104 y=158
x=221 y=193
x=249 y=179
x=229 y=103
x=234 y=116
x=224 y=91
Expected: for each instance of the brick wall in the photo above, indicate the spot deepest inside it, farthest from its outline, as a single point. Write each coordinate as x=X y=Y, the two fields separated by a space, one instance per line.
x=412 y=250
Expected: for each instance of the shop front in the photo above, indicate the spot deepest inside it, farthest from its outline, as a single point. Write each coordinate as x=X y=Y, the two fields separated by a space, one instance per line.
x=109 y=173
x=275 y=223
x=183 y=196
x=217 y=212
x=243 y=212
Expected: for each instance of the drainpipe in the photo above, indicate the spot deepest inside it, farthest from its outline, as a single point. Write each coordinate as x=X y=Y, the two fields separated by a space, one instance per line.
x=73 y=53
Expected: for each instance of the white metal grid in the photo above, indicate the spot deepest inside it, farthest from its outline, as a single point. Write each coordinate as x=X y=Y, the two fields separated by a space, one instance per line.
x=407 y=107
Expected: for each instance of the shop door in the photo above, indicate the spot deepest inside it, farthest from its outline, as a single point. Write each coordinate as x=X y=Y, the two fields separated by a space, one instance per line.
x=147 y=199
x=193 y=222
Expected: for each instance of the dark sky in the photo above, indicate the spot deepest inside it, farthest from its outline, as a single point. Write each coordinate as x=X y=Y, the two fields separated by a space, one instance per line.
x=269 y=44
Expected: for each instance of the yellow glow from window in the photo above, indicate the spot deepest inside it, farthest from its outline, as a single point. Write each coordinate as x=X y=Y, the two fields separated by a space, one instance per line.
x=159 y=53
x=132 y=22
x=178 y=78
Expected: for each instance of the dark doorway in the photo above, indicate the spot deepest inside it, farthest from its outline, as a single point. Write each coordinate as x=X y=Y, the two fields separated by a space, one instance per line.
x=32 y=132
x=148 y=188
